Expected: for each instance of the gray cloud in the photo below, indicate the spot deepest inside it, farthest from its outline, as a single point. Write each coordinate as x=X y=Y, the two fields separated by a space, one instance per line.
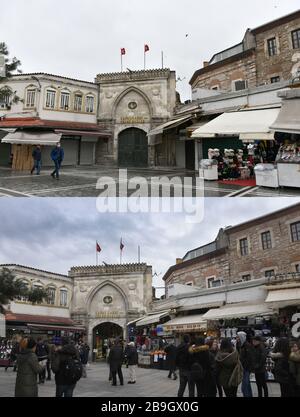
x=82 y=38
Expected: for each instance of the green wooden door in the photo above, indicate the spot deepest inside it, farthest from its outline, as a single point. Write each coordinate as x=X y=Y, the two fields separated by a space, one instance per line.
x=133 y=148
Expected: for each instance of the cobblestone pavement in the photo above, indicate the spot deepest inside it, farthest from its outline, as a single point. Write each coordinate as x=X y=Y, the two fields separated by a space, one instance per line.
x=150 y=383
x=81 y=182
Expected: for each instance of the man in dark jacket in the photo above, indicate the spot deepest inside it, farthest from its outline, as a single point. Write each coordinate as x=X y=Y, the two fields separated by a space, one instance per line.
x=132 y=361
x=115 y=360
x=84 y=351
x=57 y=156
x=182 y=363
x=260 y=358
x=42 y=352
x=65 y=356
x=171 y=360
x=37 y=160
x=246 y=351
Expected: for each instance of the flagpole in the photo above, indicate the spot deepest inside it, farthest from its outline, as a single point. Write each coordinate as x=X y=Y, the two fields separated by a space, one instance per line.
x=96 y=254
x=144 y=59
x=139 y=254
x=162 y=59
x=121 y=62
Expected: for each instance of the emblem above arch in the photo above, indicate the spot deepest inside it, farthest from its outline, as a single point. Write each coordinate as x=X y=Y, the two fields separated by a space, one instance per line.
x=132 y=106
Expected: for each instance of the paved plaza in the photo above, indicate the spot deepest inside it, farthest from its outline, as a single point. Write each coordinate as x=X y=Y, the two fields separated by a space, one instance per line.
x=81 y=182
x=150 y=383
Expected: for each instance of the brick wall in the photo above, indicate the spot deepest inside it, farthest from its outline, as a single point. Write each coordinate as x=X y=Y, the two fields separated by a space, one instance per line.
x=282 y=63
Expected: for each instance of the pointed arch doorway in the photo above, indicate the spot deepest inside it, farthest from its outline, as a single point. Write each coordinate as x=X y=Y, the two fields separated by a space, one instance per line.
x=102 y=335
x=133 y=148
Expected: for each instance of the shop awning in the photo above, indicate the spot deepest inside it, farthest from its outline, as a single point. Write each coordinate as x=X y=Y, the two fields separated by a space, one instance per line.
x=32 y=138
x=152 y=319
x=133 y=321
x=169 y=125
x=86 y=133
x=248 y=124
x=288 y=120
x=56 y=328
x=186 y=324
x=287 y=296
x=231 y=311
x=194 y=304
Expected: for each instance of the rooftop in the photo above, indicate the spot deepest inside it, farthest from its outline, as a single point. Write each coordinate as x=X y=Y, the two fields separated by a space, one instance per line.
x=45 y=74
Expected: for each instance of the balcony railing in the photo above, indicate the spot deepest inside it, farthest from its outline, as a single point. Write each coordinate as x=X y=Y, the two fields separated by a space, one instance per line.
x=290 y=276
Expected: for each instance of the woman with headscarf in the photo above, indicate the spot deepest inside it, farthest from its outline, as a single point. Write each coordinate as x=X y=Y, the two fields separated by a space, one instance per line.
x=229 y=368
x=280 y=356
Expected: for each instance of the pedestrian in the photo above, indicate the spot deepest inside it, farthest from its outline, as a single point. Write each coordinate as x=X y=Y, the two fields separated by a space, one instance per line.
x=57 y=156
x=229 y=368
x=15 y=351
x=281 y=355
x=214 y=349
x=246 y=352
x=84 y=351
x=42 y=352
x=28 y=367
x=295 y=367
x=37 y=160
x=132 y=361
x=170 y=350
x=183 y=364
x=260 y=359
x=67 y=368
x=115 y=360
x=202 y=368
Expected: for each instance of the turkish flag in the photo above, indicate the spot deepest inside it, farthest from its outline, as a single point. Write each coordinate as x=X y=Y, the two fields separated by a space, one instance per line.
x=121 y=245
x=147 y=48
x=98 y=248
x=123 y=51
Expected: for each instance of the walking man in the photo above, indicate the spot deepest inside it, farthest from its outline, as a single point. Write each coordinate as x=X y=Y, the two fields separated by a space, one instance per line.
x=42 y=353
x=183 y=362
x=132 y=361
x=171 y=359
x=246 y=351
x=115 y=360
x=260 y=358
x=37 y=160
x=57 y=156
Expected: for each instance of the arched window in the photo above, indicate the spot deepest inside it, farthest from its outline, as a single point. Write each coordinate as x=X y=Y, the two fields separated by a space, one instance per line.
x=30 y=96
x=5 y=94
x=65 y=100
x=38 y=286
x=26 y=285
x=50 y=98
x=89 y=103
x=64 y=297
x=78 y=99
x=51 y=290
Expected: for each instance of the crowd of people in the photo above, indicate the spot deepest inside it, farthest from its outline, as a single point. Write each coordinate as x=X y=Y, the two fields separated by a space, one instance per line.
x=214 y=367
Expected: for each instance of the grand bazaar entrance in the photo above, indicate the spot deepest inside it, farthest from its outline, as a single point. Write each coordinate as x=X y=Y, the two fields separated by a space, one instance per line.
x=102 y=335
x=133 y=148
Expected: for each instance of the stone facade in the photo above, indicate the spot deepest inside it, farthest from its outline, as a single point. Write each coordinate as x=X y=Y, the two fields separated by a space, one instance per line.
x=135 y=99
x=116 y=294
x=250 y=60
x=227 y=264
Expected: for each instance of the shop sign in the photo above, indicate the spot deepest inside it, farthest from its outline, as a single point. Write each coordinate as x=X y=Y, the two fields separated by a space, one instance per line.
x=185 y=327
x=296 y=327
x=109 y=315
x=132 y=120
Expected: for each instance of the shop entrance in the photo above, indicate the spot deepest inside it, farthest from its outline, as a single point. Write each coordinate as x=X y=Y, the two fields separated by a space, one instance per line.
x=133 y=148
x=190 y=154
x=102 y=335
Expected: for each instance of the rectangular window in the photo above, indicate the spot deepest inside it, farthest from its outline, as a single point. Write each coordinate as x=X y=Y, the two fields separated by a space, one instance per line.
x=89 y=107
x=4 y=100
x=270 y=273
x=240 y=85
x=246 y=278
x=51 y=296
x=272 y=46
x=296 y=38
x=244 y=247
x=275 y=80
x=63 y=298
x=297 y=267
x=30 y=98
x=50 y=99
x=78 y=102
x=266 y=240
x=214 y=282
x=64 y=101
x=295 y=232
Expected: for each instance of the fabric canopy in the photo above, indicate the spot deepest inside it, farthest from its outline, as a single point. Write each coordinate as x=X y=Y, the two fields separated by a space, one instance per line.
x=254 y=124
x=81 y=133
x=238 y=310
x=5 y=131
x=186 y=323
x=288 y=120
x=51 y=327
x=288 y=296
x=169 y=125
x=192 y=304
x=32 y=138
x=152 y=319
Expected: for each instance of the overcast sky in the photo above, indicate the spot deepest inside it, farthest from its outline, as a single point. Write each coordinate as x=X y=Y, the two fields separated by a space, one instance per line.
x=80 y=38
x=55 y=234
